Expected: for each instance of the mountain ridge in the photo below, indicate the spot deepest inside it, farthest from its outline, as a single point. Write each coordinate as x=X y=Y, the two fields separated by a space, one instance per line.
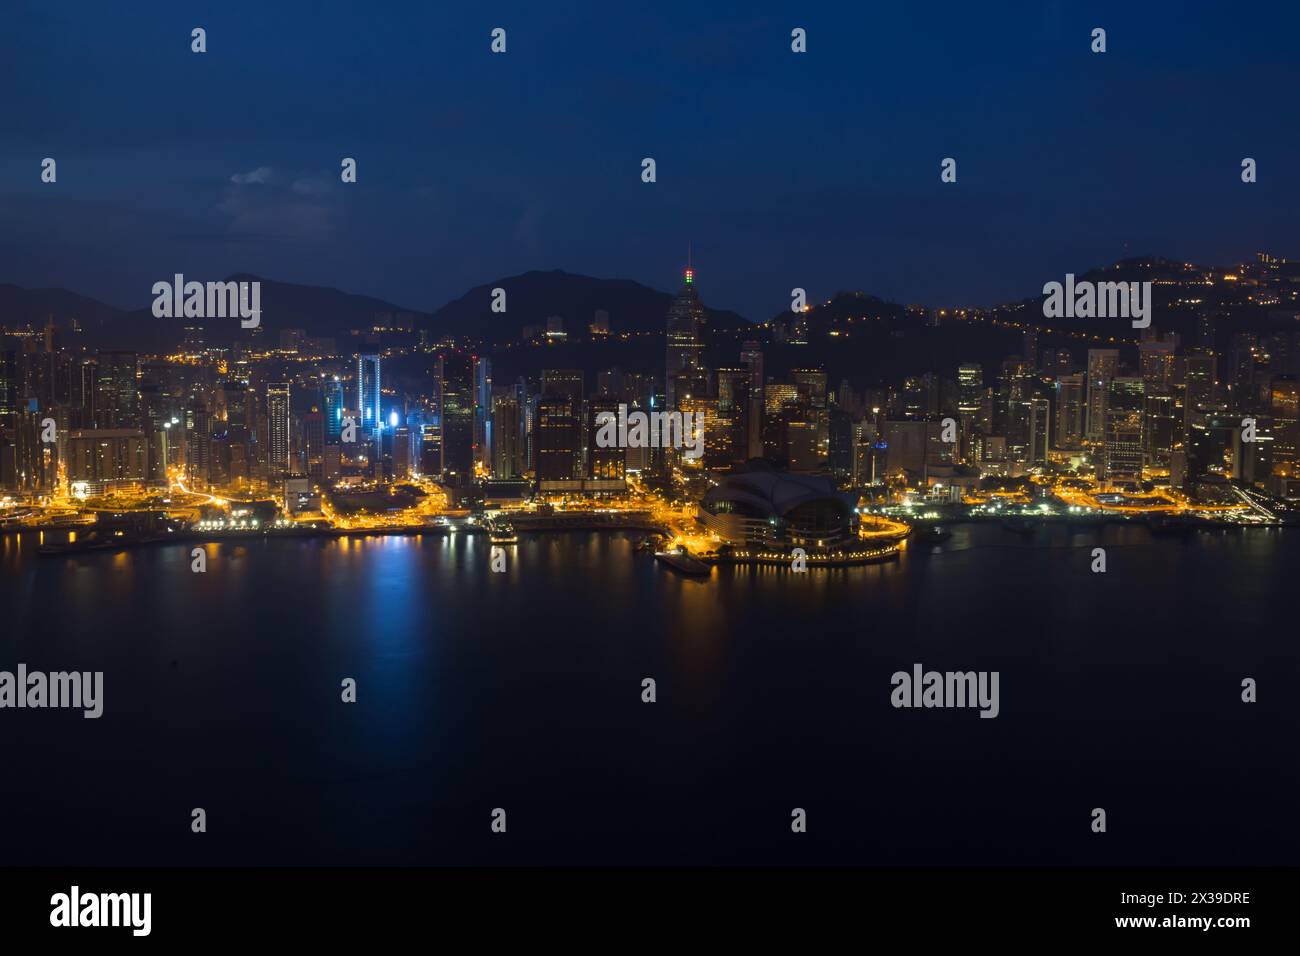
x=530 y=299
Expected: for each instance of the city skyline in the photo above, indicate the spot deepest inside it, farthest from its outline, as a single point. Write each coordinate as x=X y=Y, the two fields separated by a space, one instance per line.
x=1148 y=424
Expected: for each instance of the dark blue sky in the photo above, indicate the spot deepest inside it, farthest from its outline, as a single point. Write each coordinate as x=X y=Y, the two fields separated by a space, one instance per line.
x=818 y=170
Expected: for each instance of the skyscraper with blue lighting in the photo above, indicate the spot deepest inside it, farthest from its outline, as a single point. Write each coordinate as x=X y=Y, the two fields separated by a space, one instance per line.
x=369 y=421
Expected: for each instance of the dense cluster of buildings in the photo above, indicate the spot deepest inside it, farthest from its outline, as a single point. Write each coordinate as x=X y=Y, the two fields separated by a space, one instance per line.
x=299 y=418
x=1190 y=412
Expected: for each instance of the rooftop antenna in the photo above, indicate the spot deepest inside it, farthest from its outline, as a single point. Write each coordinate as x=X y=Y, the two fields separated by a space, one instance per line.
x=690 y=271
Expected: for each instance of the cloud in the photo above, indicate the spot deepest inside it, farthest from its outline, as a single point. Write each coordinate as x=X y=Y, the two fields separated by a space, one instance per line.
x=255 y=206
x=260 y=176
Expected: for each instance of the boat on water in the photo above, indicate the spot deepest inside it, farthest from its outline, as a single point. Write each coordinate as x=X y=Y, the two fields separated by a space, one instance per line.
x=934 y=534
x=502 y=532
x=680 y=561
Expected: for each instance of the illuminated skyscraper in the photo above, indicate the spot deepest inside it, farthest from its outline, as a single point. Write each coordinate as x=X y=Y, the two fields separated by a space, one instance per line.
x=10 y=381
x=483 y=411
x=1284 y=401
x=1015 y=389
x=117 y=400
x=1103 y=365
x=1040 y=417
x=277 y=429
x=431 y=447
x=1124 y=434
x=777 y=395
x=684 y=372
x=1247 y=373
x=404 y=452
x=333 y=410
x=751 y=355
x=370 y=422
x=456 y=405
x=560 y=431
x=313 y=427
x=1213 y=448
x=970 y=390
x=1069 y=412
x=507 y=452
x=811 y=386
x=1156 y=362
x=1159 y=430
x=608 y=463
x=1199 y=385
x=734 y=408
x=83 y=375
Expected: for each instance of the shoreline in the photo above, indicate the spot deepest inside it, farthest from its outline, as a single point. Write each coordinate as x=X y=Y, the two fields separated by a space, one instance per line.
x=556 y=524
x=249 y=534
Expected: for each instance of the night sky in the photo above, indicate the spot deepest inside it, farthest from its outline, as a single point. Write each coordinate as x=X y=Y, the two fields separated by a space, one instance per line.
x=818 y=170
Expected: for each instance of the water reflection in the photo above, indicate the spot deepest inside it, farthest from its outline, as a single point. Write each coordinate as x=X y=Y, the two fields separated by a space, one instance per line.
x=476 y=687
